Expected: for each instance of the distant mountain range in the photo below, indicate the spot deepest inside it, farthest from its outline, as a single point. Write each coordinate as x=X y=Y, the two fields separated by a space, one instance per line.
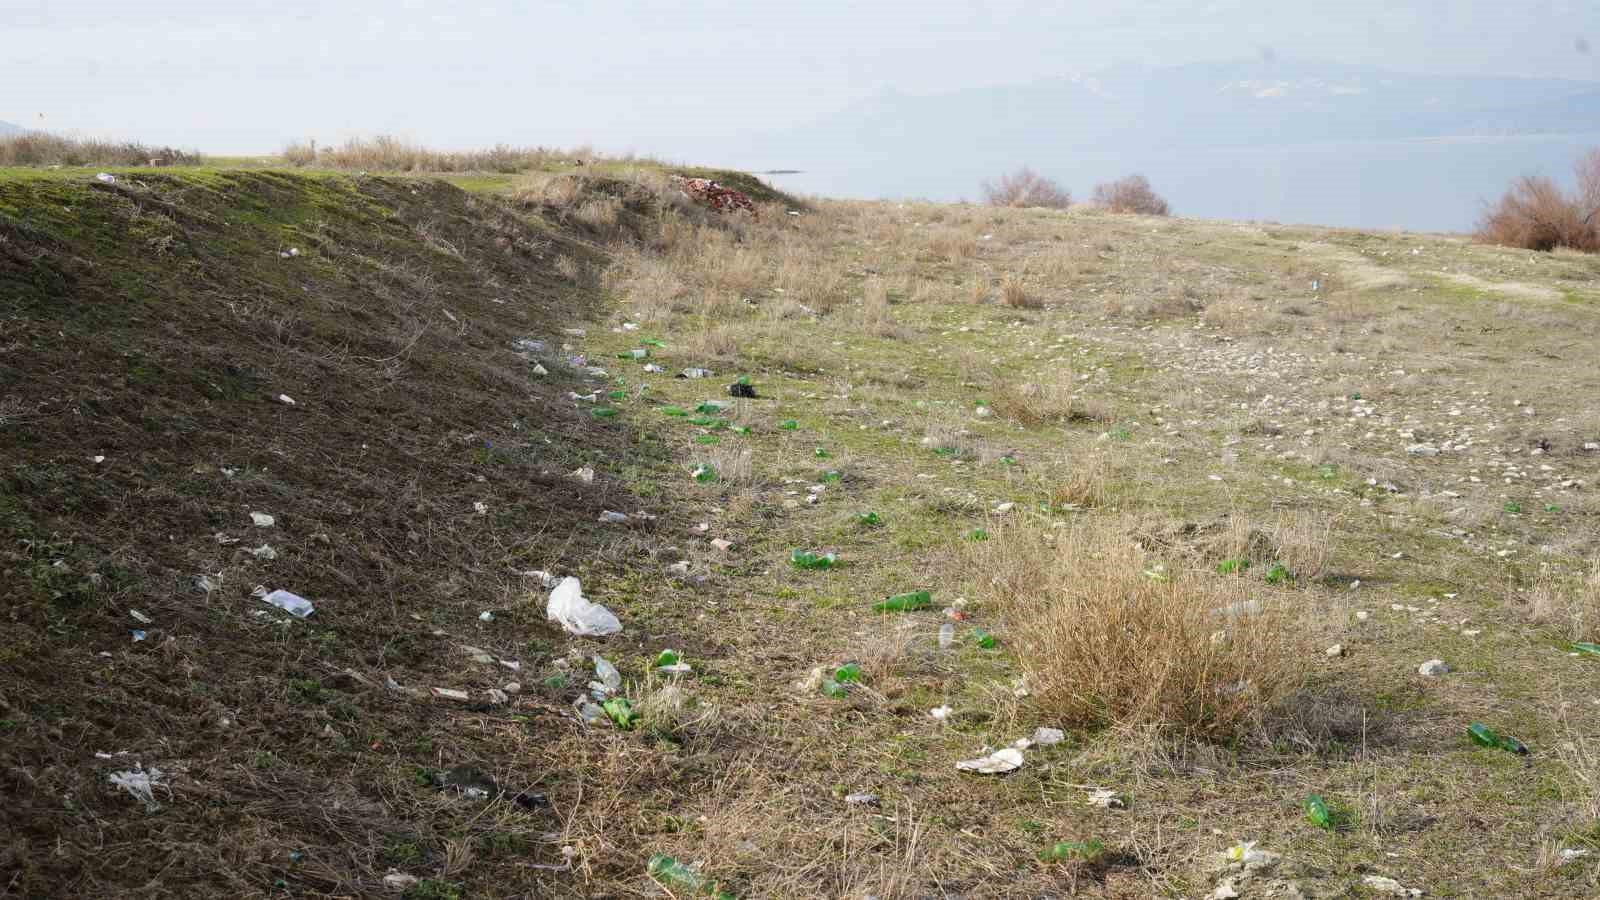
x=1250 y=104
x=8 y=128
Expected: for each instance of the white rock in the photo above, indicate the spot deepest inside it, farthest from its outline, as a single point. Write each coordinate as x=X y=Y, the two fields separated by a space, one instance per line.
x=1336 y=651
x=286 y=400
x=1389 y=887
x=1433 y=667
x=262 y=520
x=264 y=551
x=399 y=881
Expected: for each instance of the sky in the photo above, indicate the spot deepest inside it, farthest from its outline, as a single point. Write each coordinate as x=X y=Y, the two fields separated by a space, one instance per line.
x=669 y=78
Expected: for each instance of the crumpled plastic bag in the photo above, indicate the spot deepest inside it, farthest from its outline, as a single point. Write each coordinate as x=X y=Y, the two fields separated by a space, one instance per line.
x=576 y=614
x=996 y=763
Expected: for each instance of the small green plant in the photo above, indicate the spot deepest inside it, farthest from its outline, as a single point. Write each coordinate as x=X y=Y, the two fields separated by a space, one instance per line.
x=1277 y=573
x=704 y=474
x=1232 y=566
x=788 y=425
x=1088 y=851
x=1513 y=507
x=977 y=534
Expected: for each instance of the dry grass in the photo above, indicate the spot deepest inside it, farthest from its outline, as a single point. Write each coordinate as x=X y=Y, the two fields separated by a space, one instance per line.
x=1105 y=639
x=1048 y=400
x=1569 y=606
x=1303 y=541
x=1015 y=294
x=386 y=153
x=875 y=317
x=37 y=148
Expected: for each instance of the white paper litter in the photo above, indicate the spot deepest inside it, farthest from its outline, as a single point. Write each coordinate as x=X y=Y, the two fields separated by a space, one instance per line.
x=996 y=763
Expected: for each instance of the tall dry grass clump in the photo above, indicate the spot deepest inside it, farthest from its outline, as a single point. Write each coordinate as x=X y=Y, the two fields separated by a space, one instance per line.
x=1016 y=295
x=1024 y=188
x=38 y=148
x=1048 y=400
x=1106 y=638
x=1568 y=606
x=1129 y=195
x=1536 y=214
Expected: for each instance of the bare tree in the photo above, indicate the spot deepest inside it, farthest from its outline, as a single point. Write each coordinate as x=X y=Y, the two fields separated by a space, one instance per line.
x=1026 y=187
x=1130 y=195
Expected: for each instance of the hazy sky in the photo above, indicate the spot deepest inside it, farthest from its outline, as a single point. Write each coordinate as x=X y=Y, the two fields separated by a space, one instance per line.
x=665 y=77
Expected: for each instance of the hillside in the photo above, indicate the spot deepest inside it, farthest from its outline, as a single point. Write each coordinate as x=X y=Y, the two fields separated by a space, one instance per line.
x=1384 y=443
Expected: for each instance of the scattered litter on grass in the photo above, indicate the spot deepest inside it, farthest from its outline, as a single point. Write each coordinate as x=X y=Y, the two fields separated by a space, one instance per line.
x=742 y=389
x=139 y=617
x=722 y=545
x=610 y=680
x=696 y=373
x=262 y=520
x=264 y=551
x=862 y=799
x=1433 y=668
x=286 y=400
x=1317 y=812
x=577 y=614
x=105 y=178
x=138 y=635
x=940 y=712
x=451 y=694
x=1387 y=886
x=947 y=635
x=140 y=783
x=668 y=662
x=1088 y=851
x=674 y=874
x=1105 y=798
x=611 y=517
x=620 y=711
x=486 y=616
x=293 y=604
x=807 y=559
x=704 y=474
x=1047 y=736
x=585 y=474
x=907 y=602
x=999 y=762
x=1484 y=736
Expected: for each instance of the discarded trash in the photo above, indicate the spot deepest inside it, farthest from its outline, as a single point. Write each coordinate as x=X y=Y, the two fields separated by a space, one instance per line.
x=704 y=473
x=833 y=689
x=1105 y=798
x=906 y=602
x=139 y=617
x=697 y=373
x=806 y=559
x=105 y=178
x=983 y=638
x=669 y=663
x=399 y=881
x=1386 y=885
x=788 y=425
x=870 y=519
x=1433 y=668
x=636 y=353
x=710 y=407
x=528 y=345
x=819 y=452
x=1587 y=648
x=941 y=712
x=665 y=869
x=849 y=673
x=590 y=712
x=947 y=635
x=610 y=678
x=620 y=711
x=486 y=616
x=293 y=604
x=451 y=694
x=576 y=614
x=140 y=783
x=862 y=799
x=138 y=635
x=602 y=412
x=996 y=763
x=1246 y=853
x=585 y=475
x=1317 y=812
x=1088 y=851
x=611 y=517
x=722 y=545
x=264 y=551
x=1044 y=737
x=1484 y=736
x=741 y=389
x=262 y=520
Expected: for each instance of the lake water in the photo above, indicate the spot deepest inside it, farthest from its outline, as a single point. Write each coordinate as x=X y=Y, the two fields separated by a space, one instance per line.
x=1425 y=185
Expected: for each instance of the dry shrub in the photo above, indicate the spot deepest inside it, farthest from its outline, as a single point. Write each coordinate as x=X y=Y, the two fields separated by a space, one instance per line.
x=734 y=464
x=1047 y=401
x=1024 y=188
x=1084 y=487
x=952 y=245
x=875 y=318
x=601 y=214
x=38 y=148
x=717 y=343
x=1536 y=214
x=1130 y=195
x=1568 y=606
x=1016 y=296
x=1106 y=640
x=1303 y=542
x=300 y=154
x=651 y=283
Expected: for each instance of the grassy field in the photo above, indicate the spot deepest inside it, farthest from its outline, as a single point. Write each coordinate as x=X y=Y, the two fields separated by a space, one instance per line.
x=1060 y=424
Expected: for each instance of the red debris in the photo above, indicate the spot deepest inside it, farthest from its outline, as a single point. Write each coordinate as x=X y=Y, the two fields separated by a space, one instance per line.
x=722 y=199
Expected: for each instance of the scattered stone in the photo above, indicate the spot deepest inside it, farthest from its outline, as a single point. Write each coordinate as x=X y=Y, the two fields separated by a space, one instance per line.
x=722 y=545
x=585 y=474
x=262 y=520
x=399 y=882
x=1336 y=651
x=451 y=694
x=1105 y=798
x=264 y=551
x=286 y=400
x=1433 y=668
x=940 y=712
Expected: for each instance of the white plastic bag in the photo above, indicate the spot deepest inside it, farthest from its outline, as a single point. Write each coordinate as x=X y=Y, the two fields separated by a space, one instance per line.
x=576 y=614
x=293 y=604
